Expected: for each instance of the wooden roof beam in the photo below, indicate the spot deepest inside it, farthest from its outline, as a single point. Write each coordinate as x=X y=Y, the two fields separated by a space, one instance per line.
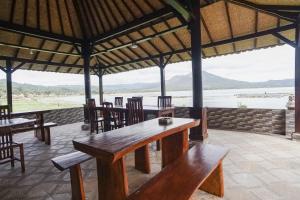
x=40 y=62
x=284 y=39
x=37 y=49
x=180 y=8
x=280 y=7
x=37 y=33
x=222 y=42
x=136 y=24
x=260 y=8
x=144 y=39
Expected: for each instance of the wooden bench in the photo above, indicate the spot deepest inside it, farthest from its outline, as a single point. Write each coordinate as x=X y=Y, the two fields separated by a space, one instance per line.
x=46 y=134
x=199 y=168
x=72 y=161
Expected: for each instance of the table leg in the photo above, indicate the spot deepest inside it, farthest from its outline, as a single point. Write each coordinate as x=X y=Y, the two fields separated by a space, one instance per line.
x=142 y=159
x=174 y=146
x=39 y=132
x=112 y=180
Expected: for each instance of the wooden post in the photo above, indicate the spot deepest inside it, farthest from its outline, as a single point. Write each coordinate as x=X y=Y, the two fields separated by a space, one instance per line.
x=86 y=55
x=195 y=25
x=162 y=76
x=9 y=84
x=297 y=77
x=100 y=75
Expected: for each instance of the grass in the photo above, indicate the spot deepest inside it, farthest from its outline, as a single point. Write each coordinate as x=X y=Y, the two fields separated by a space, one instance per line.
x=39 y=103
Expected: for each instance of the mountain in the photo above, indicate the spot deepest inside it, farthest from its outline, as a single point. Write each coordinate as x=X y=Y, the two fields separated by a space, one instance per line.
x=176 y=83
x=211 y=81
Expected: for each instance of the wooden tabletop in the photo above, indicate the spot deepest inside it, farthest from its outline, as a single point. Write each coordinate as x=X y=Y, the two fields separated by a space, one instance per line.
x=115 y=144
x=15 y=122
x=29 y=112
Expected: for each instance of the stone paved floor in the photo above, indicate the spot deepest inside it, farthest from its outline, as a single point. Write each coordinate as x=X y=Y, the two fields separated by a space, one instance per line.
x=257 y=167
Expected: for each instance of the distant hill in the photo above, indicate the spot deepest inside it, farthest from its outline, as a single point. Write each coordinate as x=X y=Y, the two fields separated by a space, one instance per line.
x=182 y=82
x=211 y=81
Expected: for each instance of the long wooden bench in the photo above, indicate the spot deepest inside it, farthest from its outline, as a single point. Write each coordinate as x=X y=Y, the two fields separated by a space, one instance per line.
x=72 y=161
x=199 y=168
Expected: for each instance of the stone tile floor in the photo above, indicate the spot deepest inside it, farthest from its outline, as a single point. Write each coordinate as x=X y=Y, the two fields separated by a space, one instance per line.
x=257 y=167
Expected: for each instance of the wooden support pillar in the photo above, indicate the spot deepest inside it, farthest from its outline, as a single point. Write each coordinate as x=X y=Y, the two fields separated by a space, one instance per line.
x=100 y=76
x=297 y=77
x=196 y=133
x=162 y=76
x=9 y=83
x=86 y=55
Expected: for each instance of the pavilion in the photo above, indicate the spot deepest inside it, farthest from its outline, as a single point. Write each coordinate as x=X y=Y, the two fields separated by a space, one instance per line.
x=95 y=37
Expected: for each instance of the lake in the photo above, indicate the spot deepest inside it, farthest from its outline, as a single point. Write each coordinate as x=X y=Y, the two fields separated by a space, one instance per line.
x=273 y=98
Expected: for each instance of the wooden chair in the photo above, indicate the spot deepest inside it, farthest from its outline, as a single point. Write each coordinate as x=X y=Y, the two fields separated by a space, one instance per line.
x=164 y=101
x=4 y=112
x=7 y=146
x=96 y=121
x=112 y=118
x=119 y=101
x=135 y=110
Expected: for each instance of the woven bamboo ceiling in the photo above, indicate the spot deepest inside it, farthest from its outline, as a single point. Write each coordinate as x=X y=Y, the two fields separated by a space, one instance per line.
x=46 y=35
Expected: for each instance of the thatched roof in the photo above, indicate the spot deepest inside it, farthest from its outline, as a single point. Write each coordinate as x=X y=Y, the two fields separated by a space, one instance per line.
x=46 y=35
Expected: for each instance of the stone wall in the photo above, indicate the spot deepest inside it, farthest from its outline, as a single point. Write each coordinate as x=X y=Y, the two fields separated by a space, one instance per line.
x=63 y=116
x=264 y=121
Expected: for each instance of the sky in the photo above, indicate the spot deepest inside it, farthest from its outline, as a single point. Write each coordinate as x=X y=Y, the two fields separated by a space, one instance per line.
x=259 y=65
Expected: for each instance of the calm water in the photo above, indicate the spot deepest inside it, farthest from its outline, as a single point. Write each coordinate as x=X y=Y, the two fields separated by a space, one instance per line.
x=251 y=98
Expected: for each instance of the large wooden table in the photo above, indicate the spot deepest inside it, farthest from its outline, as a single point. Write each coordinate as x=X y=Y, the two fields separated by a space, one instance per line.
x=109 y=148
x=16 y=122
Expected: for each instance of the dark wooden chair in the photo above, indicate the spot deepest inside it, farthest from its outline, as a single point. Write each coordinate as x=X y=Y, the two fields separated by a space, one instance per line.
x=135 y=110
x=95 y=118
x=119 y=101
x=4 y=112
x=164 y=101
x=7 y=146
x=112 y=119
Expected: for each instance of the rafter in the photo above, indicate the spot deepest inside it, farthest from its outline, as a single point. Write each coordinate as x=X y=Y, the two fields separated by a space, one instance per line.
x=136 y=24
x=260 y=8
x=39 y=62
x=37 y=33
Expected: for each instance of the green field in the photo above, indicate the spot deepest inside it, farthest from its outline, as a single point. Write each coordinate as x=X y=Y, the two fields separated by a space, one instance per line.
x=38 y=103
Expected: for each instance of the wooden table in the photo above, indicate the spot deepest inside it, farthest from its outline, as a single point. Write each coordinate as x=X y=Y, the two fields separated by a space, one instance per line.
x=16 y=122
x=109 y=148
x=40 y=131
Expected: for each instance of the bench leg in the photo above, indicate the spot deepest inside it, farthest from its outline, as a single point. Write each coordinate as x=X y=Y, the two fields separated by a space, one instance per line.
x=142 y=159
x=77 y=183
x=174 y=146
x=112 y=180
x=40 y=134
x=47 y=135
x=214 y=184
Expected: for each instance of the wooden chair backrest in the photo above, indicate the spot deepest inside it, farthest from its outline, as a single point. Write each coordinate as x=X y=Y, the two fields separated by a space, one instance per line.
x=164 y=101
x=107 y=105
x=135 y=110
x=4 y=112
x=118 y=101
x=5 y=142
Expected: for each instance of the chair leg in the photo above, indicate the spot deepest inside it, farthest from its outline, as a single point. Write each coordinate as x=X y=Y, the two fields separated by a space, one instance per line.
x=22 y=157
x=12 y=161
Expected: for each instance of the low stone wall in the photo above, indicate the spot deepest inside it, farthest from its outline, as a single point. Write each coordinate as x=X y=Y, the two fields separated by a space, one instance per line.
x=63 y=116
x=264 y=121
